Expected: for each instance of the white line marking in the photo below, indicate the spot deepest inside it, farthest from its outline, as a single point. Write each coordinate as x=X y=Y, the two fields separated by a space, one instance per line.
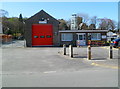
x=49 y=72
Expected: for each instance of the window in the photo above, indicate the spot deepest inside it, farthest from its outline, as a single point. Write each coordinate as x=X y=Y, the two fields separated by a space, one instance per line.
x=42 y=36
x=48 y=36
x=80 y=37
x=66 y=36
x=96 y=36
x=35 y=36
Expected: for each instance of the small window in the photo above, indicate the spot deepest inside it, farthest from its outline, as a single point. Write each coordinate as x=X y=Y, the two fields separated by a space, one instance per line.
x=35 y=36
x=48 y=36
x=96 y=36
x=42 y=36
x=80 y=37
x=66 y=36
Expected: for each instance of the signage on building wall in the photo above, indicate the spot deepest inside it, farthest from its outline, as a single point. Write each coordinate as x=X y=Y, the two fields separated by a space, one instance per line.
x=104 y=36
x=96 y=42
x=42 y=21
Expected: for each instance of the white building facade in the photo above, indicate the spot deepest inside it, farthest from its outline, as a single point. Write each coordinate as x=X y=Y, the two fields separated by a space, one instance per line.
x=74 y=22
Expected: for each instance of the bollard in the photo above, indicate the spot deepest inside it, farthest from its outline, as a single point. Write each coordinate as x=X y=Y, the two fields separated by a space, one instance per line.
x=89 y=52
x=111 y=52
x=24 y=43
x=64 y=49
x=70 y=51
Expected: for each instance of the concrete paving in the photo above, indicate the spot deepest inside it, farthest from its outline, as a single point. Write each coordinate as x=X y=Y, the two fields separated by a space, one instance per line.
x=83 y=78
x=100 y=56
x=14 y=44
x=46 y=67
x=38 y=59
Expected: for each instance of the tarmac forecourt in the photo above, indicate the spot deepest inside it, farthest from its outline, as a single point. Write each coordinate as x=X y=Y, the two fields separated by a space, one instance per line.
x=107 y=63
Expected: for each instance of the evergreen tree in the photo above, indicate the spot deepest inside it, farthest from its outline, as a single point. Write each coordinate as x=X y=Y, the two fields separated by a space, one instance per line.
x=20 y=18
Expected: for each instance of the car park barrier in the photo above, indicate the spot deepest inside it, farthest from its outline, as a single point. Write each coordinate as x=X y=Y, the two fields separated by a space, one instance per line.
x=89 y=52
x=70 y=50
x=64 y=49
x=111 y=52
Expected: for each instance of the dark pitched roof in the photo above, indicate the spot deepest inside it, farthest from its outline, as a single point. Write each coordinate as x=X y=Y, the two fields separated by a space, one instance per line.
x=42 y=13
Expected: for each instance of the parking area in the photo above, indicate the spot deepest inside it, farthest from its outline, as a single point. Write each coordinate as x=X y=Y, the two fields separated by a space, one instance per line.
x=45 y=66
x=38 y=60
x=42 y=59
x=14 y=44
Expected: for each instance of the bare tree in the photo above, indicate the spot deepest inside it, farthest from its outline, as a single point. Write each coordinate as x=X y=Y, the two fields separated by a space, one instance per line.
x=92 y=27
x=79 y=21
x=83 y=26
x=85 y=17
x=68 y=22
x=63 y=24
x=93 y=22
x=3 y=13
x=107 y=24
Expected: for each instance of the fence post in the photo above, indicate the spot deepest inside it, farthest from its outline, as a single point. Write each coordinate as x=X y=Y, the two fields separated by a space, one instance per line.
x=70 y=51
x=89 y=52
x=111 y=52
x=64 y=49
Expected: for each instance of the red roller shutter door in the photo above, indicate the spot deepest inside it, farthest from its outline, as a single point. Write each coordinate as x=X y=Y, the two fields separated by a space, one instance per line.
x=42 y=34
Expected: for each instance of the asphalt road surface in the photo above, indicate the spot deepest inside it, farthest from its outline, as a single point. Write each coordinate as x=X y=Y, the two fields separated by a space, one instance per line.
x=45 y=67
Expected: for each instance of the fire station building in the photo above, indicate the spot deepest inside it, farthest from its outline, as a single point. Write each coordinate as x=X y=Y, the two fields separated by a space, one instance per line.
x=43 y=30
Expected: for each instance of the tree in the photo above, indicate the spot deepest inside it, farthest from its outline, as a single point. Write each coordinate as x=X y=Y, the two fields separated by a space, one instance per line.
x=93 y=22
x=21 y=28
x=83 y=26
x=3 y=13
x=20 y=18
x=107 y=24
x=92 y=27
x=63 y=25
x=68 y=22
x=13 y=25
x=83 y=21
x=84 y=16
x=79 y=21
x=5 y=25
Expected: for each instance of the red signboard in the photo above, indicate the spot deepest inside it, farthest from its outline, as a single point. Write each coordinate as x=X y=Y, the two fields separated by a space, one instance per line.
x=42 y=34
x=96 y=42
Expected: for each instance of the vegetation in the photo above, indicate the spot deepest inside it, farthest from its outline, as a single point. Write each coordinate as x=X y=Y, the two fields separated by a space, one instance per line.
x=15 y=25
x=63 y=24
x=90 y=23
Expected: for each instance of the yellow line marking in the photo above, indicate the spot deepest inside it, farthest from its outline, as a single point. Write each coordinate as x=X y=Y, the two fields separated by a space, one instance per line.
x=109 y=48
x=107 y=66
